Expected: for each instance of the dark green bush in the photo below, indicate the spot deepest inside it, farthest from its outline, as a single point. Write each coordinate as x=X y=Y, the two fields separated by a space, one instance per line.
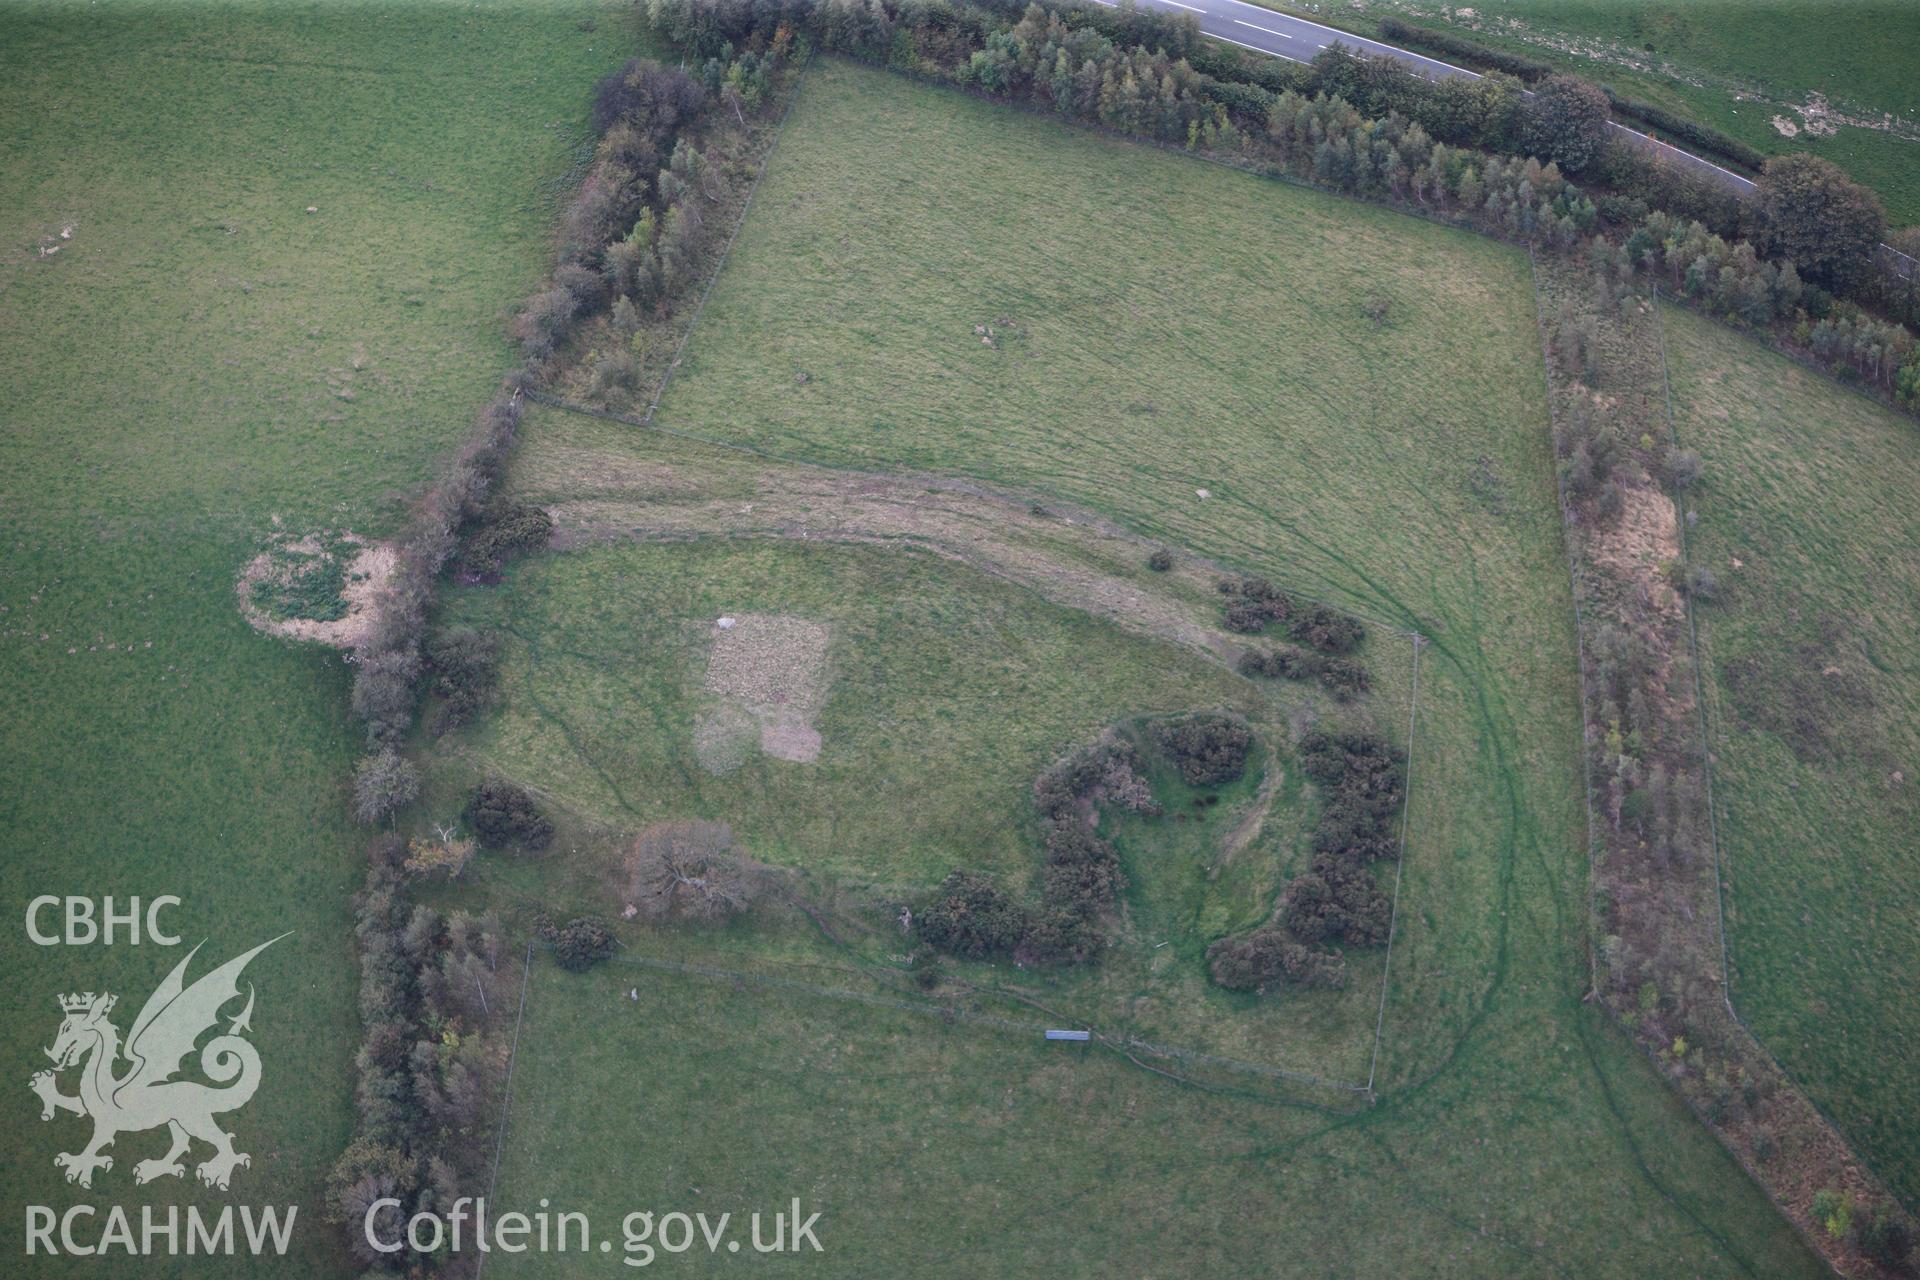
x=1345 y=677
x=1325 y=629
x=1058 y=934
x=384 y=693
x=583 y=943
x=1884 y=1238
x=504 y=816
x=1343 y=904
x=1208 y=748
x=465 y=662
x=970 y=915
x=1248 y=617
x=1267 y=957
x=502 y=529
x=1282 y=663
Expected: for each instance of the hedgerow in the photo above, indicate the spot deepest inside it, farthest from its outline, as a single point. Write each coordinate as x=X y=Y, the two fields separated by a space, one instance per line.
x=415 y=1139
x=1453 y=149
x=431 y=1064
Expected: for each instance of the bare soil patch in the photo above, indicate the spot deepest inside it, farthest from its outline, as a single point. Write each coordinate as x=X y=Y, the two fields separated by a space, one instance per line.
x=774 y=667
x=365 y=576
x=1056 y=554
x=1640 y=546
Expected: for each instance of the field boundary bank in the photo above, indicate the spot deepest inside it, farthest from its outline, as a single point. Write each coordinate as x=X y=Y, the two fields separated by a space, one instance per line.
x=951 y=1011
x=1788 y=1101
x=1713 y=827
x=1399 y=869
x=1587 y=700
x=956 y=484
x=1579 y=619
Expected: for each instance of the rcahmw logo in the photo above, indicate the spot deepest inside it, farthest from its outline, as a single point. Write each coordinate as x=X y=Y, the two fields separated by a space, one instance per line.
x=143 y=1083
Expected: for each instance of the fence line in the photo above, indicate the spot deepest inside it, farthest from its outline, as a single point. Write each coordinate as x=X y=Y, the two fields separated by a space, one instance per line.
x=995 y=1021
x=1713 y=827
x=1399 y=866
x=506 y=1100
x=1579 y=620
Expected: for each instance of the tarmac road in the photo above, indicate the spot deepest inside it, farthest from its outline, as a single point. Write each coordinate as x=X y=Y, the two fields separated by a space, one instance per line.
x=1297 y=40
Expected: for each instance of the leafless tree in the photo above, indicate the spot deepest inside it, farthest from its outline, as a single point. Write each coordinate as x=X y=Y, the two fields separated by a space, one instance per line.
x=690 y=870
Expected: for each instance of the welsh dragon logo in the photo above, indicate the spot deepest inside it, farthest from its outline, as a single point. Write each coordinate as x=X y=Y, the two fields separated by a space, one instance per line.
x=145 y=1095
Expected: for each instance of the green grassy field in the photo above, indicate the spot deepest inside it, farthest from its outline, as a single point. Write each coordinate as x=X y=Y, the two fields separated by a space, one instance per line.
x=1161 y=328
x=1731 y=65
x=947 y=694
x=934 y=1146
x=946 y=690
x=202 y=359
x=1807 y=518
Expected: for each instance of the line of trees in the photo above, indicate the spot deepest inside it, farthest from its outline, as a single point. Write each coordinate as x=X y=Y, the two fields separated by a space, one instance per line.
x=1732 y=281
x=1657 y=950
x=388 y=664
x=430 y=982
x=1473 y=151
x=1328 y=141
x=433 y=990
x=1697 y=136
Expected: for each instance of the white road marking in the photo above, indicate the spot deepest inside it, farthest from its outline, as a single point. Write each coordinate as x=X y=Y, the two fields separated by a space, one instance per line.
x=1244 y=45
x=1647 y=137
x=1269 y=30
x=1407 y=55
x=1347 y=37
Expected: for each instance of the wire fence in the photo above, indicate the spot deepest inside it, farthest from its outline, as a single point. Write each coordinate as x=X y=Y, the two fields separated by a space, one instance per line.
x=1399 y=868
x=1125 y=1042
x=1696 y=659
x=506 y=1099
x=952 y=1012
x=1587 y=736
